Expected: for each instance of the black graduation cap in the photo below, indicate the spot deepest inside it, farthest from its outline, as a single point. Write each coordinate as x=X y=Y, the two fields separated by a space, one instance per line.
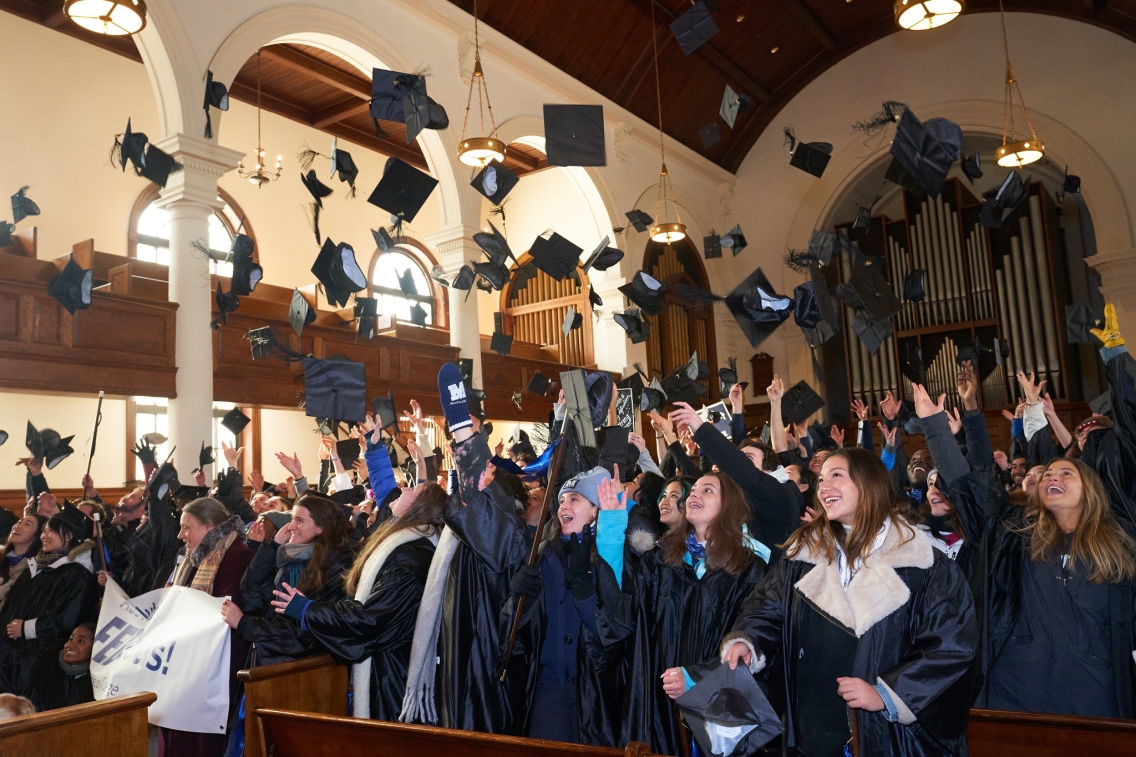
x=872 y=333
x=495 y=246
x=496 y=275
x=72 y=287
x=1001 y=350
x=382 y=408
x=246 y=273
x=262 y=342
x=806 y=309
x=382 y=239
x=639 y=220
x=694 y=28
x=539 y=383
x=863 y=217
x=48 y=446
x=185 y=492
x=732 y=105
x=735 y=240
x=1009 y=195
x=971 y=166
x=603 y=257
x=339 y=272
x=653 y=397
x=680 y=387
x=495 y=181
x=417 y=315
x=970 y=352
x=572 y=320
x=728 y=714
x=501 y=343
x=555 y=255
x=728 y=376
x=406 y=282
x=464 y=279
x=1079 y=319
x=402 y=98
x=757 y=308
x=524 y=275
x=631 y=321
x=216 y=96
x=23 y=206
x=300 y=312
x=162 y=484
x=347 y=450
x=335 y=389
x=318 y=190
x=403 y=190
x=205 y=456
x=227 y=302
x=915 y=285
x=800 y=401
x=158 y=166
x=1102 y=405
x=235 y=421
x=131 y=148
x=574 y=135
x=594 y=298
x=810 y=157
x=712 y=246
x=710 y=135
x=634 y=382
x=3 y=437
x=911 y=363
x=875 y=293
x=645 y=291
x=343 y=164
x=1069 y=184
x=366 y=310
x=925 y=151
x=819 y=334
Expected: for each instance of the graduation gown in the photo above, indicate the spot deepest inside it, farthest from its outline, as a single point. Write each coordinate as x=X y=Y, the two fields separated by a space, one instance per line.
x=153 y=550
x=58 y=597
x=915 y=631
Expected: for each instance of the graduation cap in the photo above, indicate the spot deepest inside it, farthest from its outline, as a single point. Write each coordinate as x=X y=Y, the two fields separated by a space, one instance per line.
x=712 y=246
x=494 y=244
x=925 y=152
x=1069 y=184
x=757 y=308
x=347 y=450
x=915 y=285
x=806 y=309
x=47 y=445
x=631 y=321
x=384 y=412
x=72 y=287
x=162 y=484
x=496 y=275
x=694 y=28
x=818 y=335
x=318 y=190
x=732 y=105
x=464 y=280
x=406 y=282
x=710 y=135
x=367 y=311
x=728 y=376
x=864 y=215
x=335 y=389
x=23 y=206
x=343 y=164
x=3 y=437
x=872 y=333
x=384 y=242
x=555 y=255
x=216 y=96
x=911 y=363
x=876 y=295
x=131 y=148
x=1001 y=350
x=728 y=714
x=158 y=166
x=645 y=291
x=603 y=257
x=339 y=272
x=246 y=273
x=971 y=166
x=594 y=298
x=1102 y=405
x=970 y=352
x=735 y=240
x=600 y=388
x=495 y=181
x=185 y=492
x=402 y=191
x=235 y=421
x=680 y=386
x=402 y=98
x=653 y=397
x=262 y=342
x=574 y=135
x=501 y=343
x=1079 y=319
x=205 y=456
x=800 y=401
x=227 y=302
x=810 y=157
x=639 y=220
x=539 y=384
x=300 y=312
x=1009 y=195
x=417 y=315
x=572 y=320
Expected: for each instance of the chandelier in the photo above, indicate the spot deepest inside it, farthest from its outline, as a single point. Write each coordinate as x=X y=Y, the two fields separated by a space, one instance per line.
x=1014 y=152
x=258 y=175
x=111 y=17
x=928 y=14
x=479 y=151
x=664 y=230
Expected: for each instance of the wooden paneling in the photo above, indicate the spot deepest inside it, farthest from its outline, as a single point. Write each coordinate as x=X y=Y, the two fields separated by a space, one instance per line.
x=994 y=733
x=315 y=684
x=112 y=726
x=536 y=312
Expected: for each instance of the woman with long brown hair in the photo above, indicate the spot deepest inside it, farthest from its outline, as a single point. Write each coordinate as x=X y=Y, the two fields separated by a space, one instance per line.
x=863 y=619
x=21 y=546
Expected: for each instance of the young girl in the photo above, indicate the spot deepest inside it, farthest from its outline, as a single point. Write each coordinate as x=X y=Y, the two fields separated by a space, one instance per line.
x=19 y=550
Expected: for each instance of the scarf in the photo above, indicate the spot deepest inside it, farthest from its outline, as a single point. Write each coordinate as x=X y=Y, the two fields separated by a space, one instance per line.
x=418 y=703
x=848 y=571
x=76 y=670
x=291 y=560
x=14 y=559
x=43 y=559
x=206 y=557
x=361 y=671
x=696 y=551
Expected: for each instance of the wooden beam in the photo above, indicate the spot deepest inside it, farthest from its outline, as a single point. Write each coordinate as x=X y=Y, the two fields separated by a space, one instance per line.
x=319 y=70
x=336 y=112
x=810 y=22
x=392 y=149
x=54 y=19
x=281 y=107
x=520 y=159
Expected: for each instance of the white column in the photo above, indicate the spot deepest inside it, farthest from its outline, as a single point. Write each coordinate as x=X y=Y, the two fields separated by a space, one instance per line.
x=455 y=248
x=1117 y=270
x=191 y=197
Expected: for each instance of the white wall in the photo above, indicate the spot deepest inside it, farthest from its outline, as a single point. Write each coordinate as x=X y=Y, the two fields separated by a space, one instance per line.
x=290 y=432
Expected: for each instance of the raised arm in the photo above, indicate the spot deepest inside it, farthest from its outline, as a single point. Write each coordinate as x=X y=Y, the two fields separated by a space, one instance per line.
x=776 y=391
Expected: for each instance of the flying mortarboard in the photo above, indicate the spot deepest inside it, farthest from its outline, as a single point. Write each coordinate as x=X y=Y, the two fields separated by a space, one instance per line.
x=594 y=298
x=911 y=363
x=734 y=241
x=318 y=190
x=300 y=312
x=971 y=166
x=402 y=98
x=417 y=315
x=382 y=239
x=216 y=96
x=710 y=135
x=343 y=164
x=262 y=342
x=728 y=376
x=501 y=343
x=572 y=320
x=495 y=181
x=645 y=291
x=464 y=280
x=555 y=255
x=339 y=272
x=970 y=352
x=227 y=302
x=158 y=166
x=205 y=456
x=653 y=397
x=757 y=308
x=574 y=135
x=497 y=275
x=631 y=321
x=810 y=157
x=1079 y=319
x=235 y=421
x=732 y=105
x=47 y=445
x=998 y=208
x=875 y=293
x=402 y=191
x=246 y=273
x=1069 y=184
x=800 y=401
x=819 y=334
x=382 y=408
x=680 y=387
x=495 y=246
x=539 y=383
x=335 y=389
x=694 y=28
x=367 y=311
x=712 y=246
x=131 y=148
x=639 y=220
x=872 y=333
x=915 y=285
x=406 y=282
x=347 y=450
x=23 y=206
x=72 y=287
x=806 y=309
x=603 y=257
x=924 y=151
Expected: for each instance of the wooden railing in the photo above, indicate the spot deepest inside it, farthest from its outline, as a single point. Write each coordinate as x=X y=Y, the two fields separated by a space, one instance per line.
x=995 y=733
x=315 y=685
x=114 y=726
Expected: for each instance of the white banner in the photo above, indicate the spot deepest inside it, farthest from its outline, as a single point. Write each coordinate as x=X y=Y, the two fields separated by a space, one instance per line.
x=172 y=642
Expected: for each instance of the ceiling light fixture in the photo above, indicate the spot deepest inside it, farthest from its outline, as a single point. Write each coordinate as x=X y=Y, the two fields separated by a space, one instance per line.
x=928 y=14
x=1014 y=152
x=112 y=17
x=479 y=151
x=258 y=175
x=664 y=230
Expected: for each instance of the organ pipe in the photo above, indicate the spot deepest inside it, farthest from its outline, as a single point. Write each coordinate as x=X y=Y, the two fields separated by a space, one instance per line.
x=1051 y=350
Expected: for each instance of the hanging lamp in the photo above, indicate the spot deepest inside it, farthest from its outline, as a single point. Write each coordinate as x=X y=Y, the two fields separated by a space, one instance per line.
x=928 y=14
x=664 y=230
x=110 y=17
x=1014 y=152
x=479 y=151
x=258 y=175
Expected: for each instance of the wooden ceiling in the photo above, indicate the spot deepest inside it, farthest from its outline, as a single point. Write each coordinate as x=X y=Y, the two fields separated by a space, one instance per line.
x=767 y=49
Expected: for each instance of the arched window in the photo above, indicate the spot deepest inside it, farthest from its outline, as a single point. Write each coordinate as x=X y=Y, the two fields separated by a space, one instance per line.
x=149 y=237
x=385 y=269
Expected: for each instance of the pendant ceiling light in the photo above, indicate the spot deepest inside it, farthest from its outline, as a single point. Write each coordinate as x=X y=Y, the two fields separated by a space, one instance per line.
x=113 y=17
x=479 y=151
x=1014 y=152
x=664 y=230
x=258 y=175
x=929 y=14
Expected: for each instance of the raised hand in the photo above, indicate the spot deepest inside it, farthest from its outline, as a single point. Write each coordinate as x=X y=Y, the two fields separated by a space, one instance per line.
x=1110 y=334
x=608 y=491
x=291 y=464
x=143 y=450
x=359 y=465
x=860 y=409
x=954 y=420
x=685 y=415
x=416 y=419
x=256 y=530
x=837 y=435
x=662 y=425
x=737 y=399
x=34 y=466
x=199 y=478
x=776 y=390
x=889 y=407
x=284 y=597
x=1031 y=389
x=638 y=441
x=967 y=386
x=257 y=481
x=496 y=450
x=327 y=443
x=232 y=456
x=924 y=407
x=1047 y=406
x=88 y=484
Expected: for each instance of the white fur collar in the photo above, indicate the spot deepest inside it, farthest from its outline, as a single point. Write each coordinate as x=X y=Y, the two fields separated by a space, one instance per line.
x=876 y=590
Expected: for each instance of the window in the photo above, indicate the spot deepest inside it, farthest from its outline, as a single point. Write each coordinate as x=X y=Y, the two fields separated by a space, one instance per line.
x=385 y=270
x=149 y=237
x=151 y=416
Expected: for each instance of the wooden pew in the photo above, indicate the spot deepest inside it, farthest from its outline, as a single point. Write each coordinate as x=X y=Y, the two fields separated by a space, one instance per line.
x=111 y=726
x=314 y=684
x=302 y=734
x=995 y=733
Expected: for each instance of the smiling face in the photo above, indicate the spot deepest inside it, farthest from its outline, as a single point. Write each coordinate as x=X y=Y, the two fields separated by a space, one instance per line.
x=704 y=502
x=1060 y=488
x=77 y=650
x=193 y=531
x=1029 y=483
x=23 y=534
x=259 y=502
x=817 y=461
x=52 y=541
x=1018 y=470
x=669 y=511
x=575 y=512
x=304 y=529
x=938 y=501
x=837 y=492
x=919 y=466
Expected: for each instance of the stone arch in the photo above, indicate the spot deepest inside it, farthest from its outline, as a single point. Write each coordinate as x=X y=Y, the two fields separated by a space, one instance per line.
x=173 y=70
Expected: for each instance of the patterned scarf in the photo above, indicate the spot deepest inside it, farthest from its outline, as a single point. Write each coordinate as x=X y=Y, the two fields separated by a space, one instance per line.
x=697 y=553
x=43 y=559
x=206 y=557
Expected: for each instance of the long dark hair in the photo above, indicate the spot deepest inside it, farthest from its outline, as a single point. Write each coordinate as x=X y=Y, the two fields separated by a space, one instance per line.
x=328 y=515
x=33 y=548
x=425 y=514
x=725 y=545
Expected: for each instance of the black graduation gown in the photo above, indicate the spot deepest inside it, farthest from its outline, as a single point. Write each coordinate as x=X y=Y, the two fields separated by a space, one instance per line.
x=153 y=550
x=59 y=597
x=37 y=675
x=924 y=651
x=679 y=621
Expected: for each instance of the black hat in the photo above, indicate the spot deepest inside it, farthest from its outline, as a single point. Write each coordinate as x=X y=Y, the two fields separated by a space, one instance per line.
x=417 y=315
x=694 y=28
x=227 y=302
x=594 y=298
x=335 y=389
x=639 y=220
x=403 y=190
x=645 y=291
x=162 y=484
x=23 y=206
x=632 y=321
x=971 y=166
x=1102 y=405
x=72 y=287
x=710 y=135
x=800 y=401
x=875 y=293
x=555 y=255
x=735 y=240
x=757 y=308
x=262 y=342
x=384 y=412
x=819 y=334
x=915 y=285
x=728 y=376
x=728 y=714
x=402 y=98
x=998 y=208
x=863 y=217
x=495 y=181
x=911 y=363
x=3 y=437
x=158 y=166
x=970 y=352
x=366 y=310
x=235 y=421
x=343 y=164
x=1079 y=319
x=524 y=275
x=501 y=343
x=131 y=148
x=497 y=275
x=339 y=272
x=680 y=387
x=217 y=96
x=300 y=312
x=712 y=246
x=603 y=257
x=574 y=135
x=495 y=246
x=539 y=383
x=47 y=445
x=185 y=493
x=347 y=450
x=246 y=273
x=1069 y=184
x=205 y=456
x=406 y=282
x=653 y=397
x=924 y=152
x=872 y=333
x=464 y=280
x=806 y=309
x=1001 y=350
x=732 y=105
x=382 y=239
x=810 y=157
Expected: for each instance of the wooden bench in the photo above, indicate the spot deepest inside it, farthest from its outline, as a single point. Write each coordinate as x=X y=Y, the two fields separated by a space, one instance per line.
x=314 y=684
x=111 y=726
x=302 y=734
x=995 y=733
